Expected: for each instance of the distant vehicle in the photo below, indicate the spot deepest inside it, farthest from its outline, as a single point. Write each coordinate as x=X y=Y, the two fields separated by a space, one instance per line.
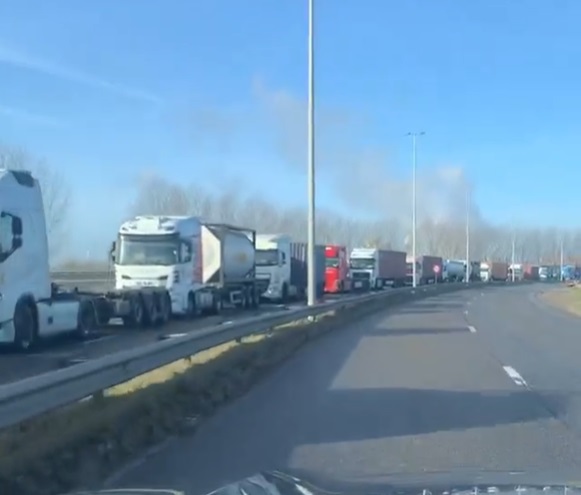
x=425 y=273
x=493 y=271
x=374 y=269
x=454 y=270
x=337 y=276
x=282 y=267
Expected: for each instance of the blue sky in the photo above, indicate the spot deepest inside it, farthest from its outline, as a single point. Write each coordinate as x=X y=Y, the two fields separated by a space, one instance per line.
x=107 y=89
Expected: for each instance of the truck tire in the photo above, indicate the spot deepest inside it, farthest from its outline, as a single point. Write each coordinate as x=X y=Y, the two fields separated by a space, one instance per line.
x=284 y=298
x=192 y=310
x=163 y=309
x=25 y=328
x=87 y=320
x=255 y=303
x=137 y=317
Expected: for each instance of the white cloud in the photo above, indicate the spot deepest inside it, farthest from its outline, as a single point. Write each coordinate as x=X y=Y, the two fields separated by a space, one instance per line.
x=29 y=117
x=16 y=58
x=361 y=176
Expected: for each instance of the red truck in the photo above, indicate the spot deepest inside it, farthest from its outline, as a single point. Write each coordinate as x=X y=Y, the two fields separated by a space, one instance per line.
x=337 y=277
x=426 y=271
x=531 y=272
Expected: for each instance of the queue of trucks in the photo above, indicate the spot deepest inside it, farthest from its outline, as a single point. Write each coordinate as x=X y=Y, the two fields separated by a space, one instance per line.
x=183 y=266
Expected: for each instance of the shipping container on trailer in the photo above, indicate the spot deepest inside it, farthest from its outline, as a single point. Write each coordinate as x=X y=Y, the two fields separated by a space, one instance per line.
x=425 y=269
x=299 y=268
x=373 y=268
x=498 y=271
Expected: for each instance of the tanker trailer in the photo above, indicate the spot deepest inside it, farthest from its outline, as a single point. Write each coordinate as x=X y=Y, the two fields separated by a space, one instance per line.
x=229 y=263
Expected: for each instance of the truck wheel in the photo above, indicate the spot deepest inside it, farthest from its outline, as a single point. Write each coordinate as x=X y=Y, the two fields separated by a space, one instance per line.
x=246 y=298
x=137 y=316
x=87 y=320
x=163 y=309
x=192 y=310
x=24 y=326
x=255 y=303
x=284 y=298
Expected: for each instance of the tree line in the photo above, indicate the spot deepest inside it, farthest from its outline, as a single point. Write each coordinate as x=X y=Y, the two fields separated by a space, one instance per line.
x=155 y=195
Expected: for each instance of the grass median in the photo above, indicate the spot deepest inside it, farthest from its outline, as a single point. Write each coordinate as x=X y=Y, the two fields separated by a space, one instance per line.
x=84 y=443
x=565 y=298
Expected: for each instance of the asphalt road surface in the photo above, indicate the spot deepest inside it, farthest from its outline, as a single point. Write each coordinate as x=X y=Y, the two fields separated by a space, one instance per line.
x=479 y=380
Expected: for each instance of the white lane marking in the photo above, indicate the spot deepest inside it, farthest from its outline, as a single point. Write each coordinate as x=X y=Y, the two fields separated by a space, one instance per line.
x=514 y=375
x=472 y=329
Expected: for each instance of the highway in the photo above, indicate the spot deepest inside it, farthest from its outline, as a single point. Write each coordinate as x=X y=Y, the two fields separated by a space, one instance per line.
x=58 y=353
x=478 y=380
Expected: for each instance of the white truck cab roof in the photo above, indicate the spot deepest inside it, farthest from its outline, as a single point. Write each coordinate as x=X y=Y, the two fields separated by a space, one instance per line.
x=159 y=225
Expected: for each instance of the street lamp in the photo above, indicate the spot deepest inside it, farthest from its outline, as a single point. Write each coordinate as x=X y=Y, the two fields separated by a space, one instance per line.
x=562 y=260
x=414 y=136
x=513 y=255
x=311 y=273
x=468 y=265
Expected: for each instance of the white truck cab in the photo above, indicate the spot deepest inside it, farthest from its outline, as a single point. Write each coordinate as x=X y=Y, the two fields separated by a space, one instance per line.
x=273 y=266
x=364 y=268
x=31 y=306
x=164 y=251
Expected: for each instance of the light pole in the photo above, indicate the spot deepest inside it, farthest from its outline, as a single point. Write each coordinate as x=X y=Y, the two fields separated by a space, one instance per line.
x=311 y=274
x=562 y=260
x=414 y=136
x=513 y=254
x=468 y=265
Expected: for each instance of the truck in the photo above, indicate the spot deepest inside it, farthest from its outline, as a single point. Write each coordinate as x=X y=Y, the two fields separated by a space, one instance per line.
x=531 y=272
x=203 y=265
x=426 y=271
x=282 y=268
x=33 y=307
x=337 y=276
x=374 y=268
x=493 y=271
x=517 y=269
x=453 y=270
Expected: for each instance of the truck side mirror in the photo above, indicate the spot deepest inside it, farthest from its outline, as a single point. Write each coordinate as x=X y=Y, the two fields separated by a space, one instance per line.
x=16 y=226
x=112 y=250
x=16 y=243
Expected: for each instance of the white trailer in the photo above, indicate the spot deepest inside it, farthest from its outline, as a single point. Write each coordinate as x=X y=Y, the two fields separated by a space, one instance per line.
x=202 y=265
x=32 y=307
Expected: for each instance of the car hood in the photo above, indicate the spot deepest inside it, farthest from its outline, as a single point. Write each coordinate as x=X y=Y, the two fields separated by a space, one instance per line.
x=426 y=483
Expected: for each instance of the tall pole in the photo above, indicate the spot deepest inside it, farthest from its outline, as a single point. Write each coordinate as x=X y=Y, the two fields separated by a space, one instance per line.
x=311 y=275
x=513 y=254
x=468 y=265
x=562 y=261
x=414 y=136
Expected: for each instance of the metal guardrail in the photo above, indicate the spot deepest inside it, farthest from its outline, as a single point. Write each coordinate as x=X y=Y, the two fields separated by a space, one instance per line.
x=42 y=393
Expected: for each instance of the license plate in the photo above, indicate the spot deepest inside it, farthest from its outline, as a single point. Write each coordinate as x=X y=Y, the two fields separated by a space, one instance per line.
x=357 y=284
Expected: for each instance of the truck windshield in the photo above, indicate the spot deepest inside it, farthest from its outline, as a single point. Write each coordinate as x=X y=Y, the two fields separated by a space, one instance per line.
x=332 y=262
x=362 y=263
x=266 y=257
x=148 y=250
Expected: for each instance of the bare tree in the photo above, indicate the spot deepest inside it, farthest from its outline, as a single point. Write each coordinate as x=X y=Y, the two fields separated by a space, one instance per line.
x=55 y=191
x=446 y=238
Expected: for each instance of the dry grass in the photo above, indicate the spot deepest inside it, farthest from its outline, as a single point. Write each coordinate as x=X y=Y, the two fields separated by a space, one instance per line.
x=567 y=299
